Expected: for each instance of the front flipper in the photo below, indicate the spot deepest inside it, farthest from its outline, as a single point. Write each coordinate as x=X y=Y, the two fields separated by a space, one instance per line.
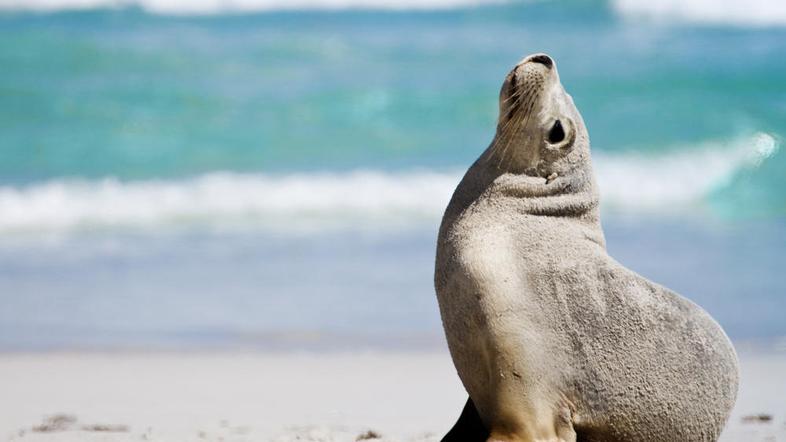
x=468 y=428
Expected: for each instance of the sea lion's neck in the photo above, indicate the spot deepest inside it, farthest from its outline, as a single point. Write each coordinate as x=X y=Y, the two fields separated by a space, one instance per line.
x=571 y=197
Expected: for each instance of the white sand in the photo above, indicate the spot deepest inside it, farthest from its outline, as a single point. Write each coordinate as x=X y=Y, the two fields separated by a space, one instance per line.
x=252 y=397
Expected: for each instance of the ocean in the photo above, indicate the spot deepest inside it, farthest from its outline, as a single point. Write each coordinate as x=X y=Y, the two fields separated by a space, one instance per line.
x=271 y=174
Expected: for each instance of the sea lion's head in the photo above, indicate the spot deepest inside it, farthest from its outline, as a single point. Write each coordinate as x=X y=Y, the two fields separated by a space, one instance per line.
x=539 y=132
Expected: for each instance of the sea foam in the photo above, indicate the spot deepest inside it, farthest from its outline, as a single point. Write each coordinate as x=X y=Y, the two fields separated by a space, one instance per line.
x=188 y=7
x=734 y=12
x=629 y=184
x=726 y=12
x=679 y=179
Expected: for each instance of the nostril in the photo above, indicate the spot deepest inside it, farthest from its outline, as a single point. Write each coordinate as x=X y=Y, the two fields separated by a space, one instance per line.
x=542 y=59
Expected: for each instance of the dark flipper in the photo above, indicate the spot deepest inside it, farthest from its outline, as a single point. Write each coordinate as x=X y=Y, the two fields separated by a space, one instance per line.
x=468 y=428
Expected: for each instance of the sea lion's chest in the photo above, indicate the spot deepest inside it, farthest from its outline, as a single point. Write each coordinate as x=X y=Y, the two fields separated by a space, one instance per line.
x=493 y=239
x=497 y=315
x=488 y=257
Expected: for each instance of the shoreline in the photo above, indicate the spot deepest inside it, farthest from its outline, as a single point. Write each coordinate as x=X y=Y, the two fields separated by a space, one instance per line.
x=307 y=396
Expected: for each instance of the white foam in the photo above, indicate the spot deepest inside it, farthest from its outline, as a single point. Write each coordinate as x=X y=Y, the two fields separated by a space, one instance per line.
x=238 y=6
x=295 y=201
x=679 y=179
x=629 y=183
x=733 y=12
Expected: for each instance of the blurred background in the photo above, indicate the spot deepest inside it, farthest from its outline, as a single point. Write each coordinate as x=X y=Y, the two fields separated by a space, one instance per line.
x=271 y=174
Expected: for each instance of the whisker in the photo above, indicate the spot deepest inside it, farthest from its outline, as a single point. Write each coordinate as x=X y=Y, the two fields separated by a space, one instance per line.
x=521 y=105
x=527 y=113
x=502 y=131
x=509 y=136
x=516 y=94
x=509 y=139
x=512 y=108
x=523 y=114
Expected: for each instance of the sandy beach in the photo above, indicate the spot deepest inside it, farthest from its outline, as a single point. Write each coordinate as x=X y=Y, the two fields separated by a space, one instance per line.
x=232 y=396
x=219 y=219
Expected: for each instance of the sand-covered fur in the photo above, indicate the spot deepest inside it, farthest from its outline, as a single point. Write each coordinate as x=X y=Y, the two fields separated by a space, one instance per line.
x=553 y=339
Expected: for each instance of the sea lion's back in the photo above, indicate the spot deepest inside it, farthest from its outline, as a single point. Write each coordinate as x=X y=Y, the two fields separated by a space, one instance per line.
x=637 y=343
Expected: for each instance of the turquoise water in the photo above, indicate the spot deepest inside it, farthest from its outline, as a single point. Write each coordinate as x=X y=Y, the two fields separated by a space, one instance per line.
x=290 y=131
x=135 y=96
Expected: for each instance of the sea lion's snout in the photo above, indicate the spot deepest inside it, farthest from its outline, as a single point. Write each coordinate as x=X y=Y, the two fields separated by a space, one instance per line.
x=539 y=64
x=543 y=59
x=528 y=78
x=538 y=123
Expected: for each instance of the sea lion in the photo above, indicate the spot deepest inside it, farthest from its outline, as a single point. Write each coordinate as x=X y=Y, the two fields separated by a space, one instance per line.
x=552 y=338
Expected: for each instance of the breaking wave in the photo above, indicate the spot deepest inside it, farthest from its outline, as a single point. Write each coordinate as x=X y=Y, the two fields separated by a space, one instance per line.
x=726 y=12
x=629 y=183
x=238 y=6
x=678 y=179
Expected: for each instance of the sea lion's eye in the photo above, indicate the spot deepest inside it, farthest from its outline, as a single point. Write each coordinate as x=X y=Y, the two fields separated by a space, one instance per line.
x=557 y=133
